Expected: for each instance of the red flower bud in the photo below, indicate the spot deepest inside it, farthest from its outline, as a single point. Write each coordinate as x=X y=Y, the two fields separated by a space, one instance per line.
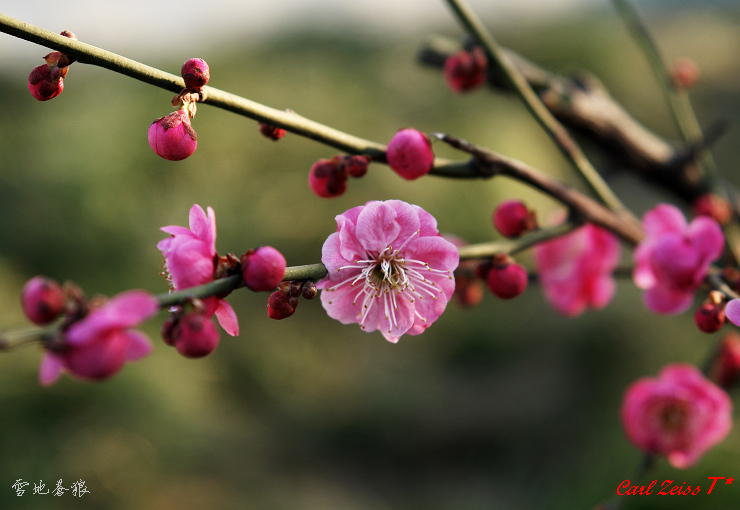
x=726 y=368
x=409 y=154
x=281 y=305
x=172 y=137
x=263 y=269
x=710 y=317
x=42 y=85
x=512 y=218
x=713 y=206
x=507 y=279
x=356 y=165
x=271 y=132
x=194 y=335
x=685 y=73
x=42 y=300
x=195 y=73
x=466 y=70
x=326 y=179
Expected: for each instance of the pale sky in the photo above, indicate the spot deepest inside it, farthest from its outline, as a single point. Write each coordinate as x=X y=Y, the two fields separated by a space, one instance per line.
x=149 y=27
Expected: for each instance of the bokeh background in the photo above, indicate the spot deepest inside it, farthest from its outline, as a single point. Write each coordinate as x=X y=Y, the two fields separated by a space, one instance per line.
x=507 y=405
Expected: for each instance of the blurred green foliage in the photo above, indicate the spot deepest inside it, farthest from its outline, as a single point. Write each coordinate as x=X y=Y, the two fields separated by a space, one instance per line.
x=505 y=406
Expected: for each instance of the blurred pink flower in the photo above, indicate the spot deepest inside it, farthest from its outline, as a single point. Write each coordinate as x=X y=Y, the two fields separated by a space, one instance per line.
x=679 y=414
x=389 y=269
x=576 y=269
x=97 y=346
x=190 y=259
x=673 y=259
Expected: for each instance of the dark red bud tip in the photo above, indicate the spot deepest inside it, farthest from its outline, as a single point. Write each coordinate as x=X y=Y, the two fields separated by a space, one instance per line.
x=710 y=317
x=271 y=132
x=263 y=269
x=280 y=305
x=507 y=280
x=326 y=179
x=409 y=154
x=195 y=73
x=42 y=300
x=309 y=290
x=168 y=328
x=466 y=70
x=356 y=165
x=512 y=218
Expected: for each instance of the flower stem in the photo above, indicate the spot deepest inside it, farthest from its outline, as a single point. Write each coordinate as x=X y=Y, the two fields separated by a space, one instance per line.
x=288 y=120
x=568 y=147
x=10 y=340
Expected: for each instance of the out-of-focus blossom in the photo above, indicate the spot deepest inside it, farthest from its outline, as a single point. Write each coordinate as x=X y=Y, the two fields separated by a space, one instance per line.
x=680 y=414
x=576 y=269
x=389 y=269
x=97 y=346
x=466 y=70
x=673 y=259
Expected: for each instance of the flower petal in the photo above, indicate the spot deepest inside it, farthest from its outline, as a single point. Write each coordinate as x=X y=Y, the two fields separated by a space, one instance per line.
x=50 y=369
x=139 y=345
x=227 y=317
x=377 y=227
x=663 y=219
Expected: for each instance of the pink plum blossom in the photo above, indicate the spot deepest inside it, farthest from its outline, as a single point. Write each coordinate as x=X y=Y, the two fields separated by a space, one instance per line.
x=576 y=269
x=673 y=259
x=97 y=346
x=679 y=414
x=389 y=269
x=190 y=259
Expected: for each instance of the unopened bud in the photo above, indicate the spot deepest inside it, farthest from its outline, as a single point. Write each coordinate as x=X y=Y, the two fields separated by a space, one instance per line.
x=42 y=299
x=280 y=305
x=356 y=165
x=172 y=137
x=713 y=206
x=263 y=269
x=195 y=73
x=466 y=70
x=271 y=132
x=507 y=279
x=710 y=317
x=309 y=290
x=685 y=73
x=409 y=154
x=512 y=218
x=326 y=180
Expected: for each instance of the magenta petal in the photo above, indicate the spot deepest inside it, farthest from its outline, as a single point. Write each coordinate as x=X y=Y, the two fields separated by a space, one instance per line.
x=707 y=236
x=50 y=369
x=332 y=258
x=377 y=227
x=227 y=318
x=139 y=345
x=176 y=230
x=663 y=219
x=204 y=227
x=732 y=311
x=666 y=301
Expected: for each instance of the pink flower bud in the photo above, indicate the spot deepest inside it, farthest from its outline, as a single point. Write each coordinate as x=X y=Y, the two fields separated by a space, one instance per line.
x=172 y=137
x=512 y=218
x=726 y=368
x=507 y=279
x=465 y=70
x=713 y=206
x=263 y=269
x=194 y=335
x=271 y=132
x=410 y=154
x=685 y=73
x=710 y=317
x=326 y=180
x=468 y=291
x=195 y=73
x=356 y=165
x=281 y=305
x=42 y=300
x=42 y=85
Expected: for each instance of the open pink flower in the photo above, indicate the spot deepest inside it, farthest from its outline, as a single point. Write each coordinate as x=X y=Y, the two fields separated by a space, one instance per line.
x=97 y=346
x=190 y=259
x=679 y=414
x=673 y=259
x=389 y=269
x=576 y=269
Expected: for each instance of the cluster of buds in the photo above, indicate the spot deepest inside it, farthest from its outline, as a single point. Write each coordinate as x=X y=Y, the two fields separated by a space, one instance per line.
x=47 y=80
x=282 y=303
x=466 y=70
x=94 y=338
x=328 y=177
x=272 y=132
x=172 y=137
